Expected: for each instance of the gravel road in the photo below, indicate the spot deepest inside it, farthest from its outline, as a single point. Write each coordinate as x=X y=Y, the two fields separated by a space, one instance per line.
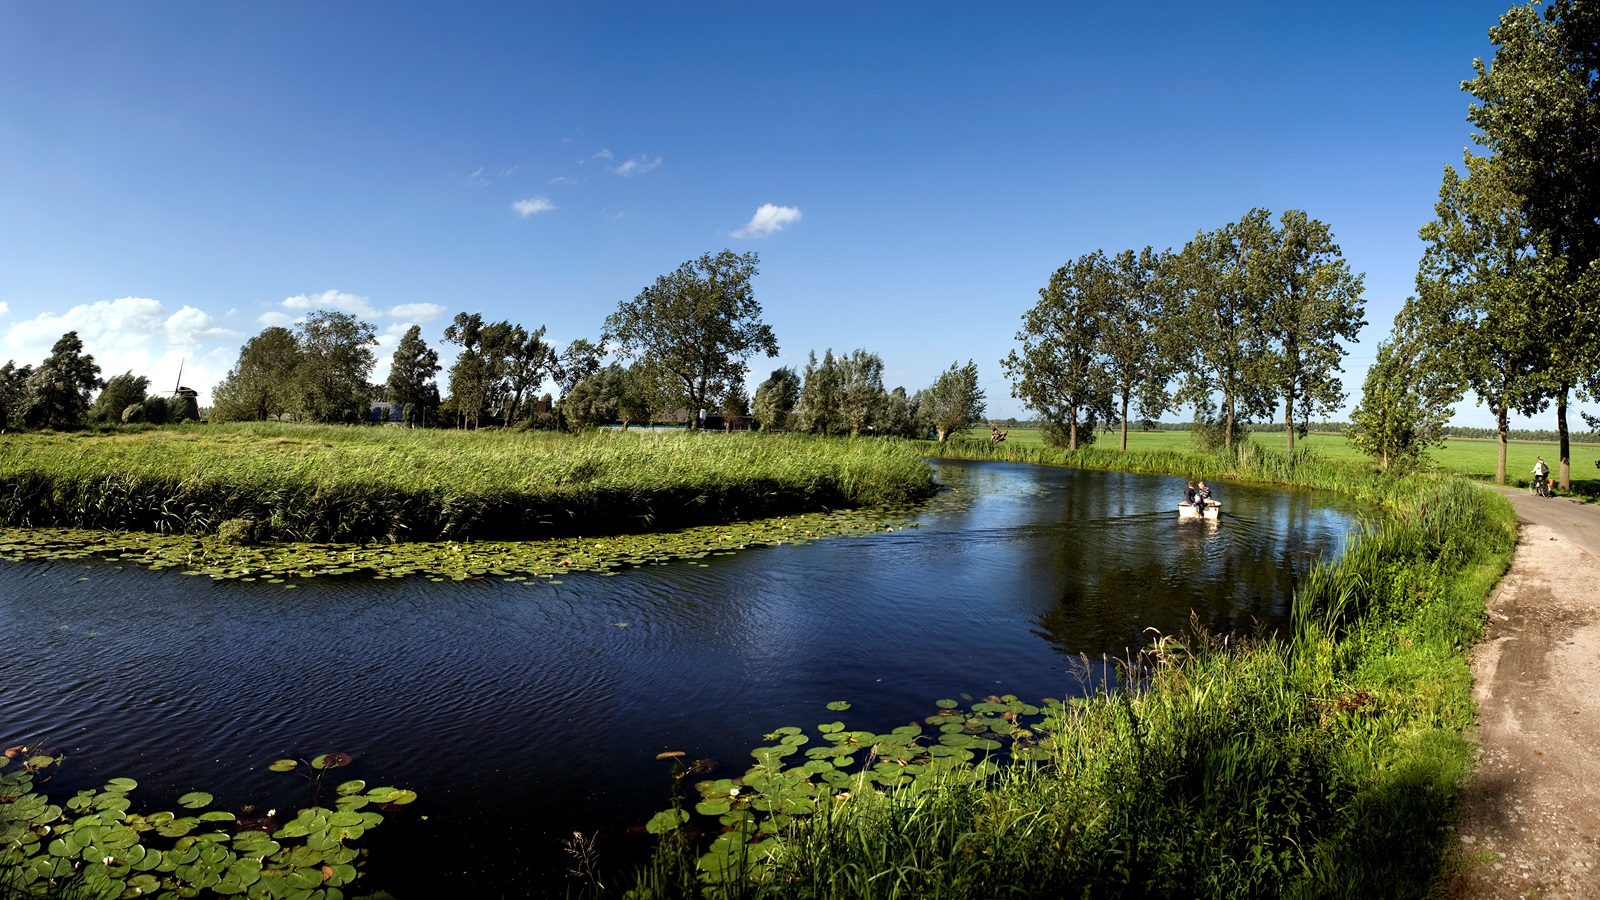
x=1532 y=825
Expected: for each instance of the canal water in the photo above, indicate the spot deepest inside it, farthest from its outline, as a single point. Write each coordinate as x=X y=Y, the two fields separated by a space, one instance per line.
x=524 y=712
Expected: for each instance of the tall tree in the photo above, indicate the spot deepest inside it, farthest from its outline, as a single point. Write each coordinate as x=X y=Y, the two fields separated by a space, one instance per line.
x=1477 y=297
x=1221 y=299
x=593 y=401
x=954 y=402
x=1060 y=373
x=1538 y=113
x=336 y=360
x=13 y=393
x=775 y=399
x=818 y=409
x=57 y=394
x=580 y=360
x=900 y=415
x=411 y=376
x=120 y=392
x=525 y=361
x=1405 y=403
x=261 y=383
x=474 y=373
x=861 y=393
x=1137 y=364
x=698 y=326
x=1313 y=304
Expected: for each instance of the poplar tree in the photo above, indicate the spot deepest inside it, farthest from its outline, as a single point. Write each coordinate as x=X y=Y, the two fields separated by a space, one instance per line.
x=1313 y=305
x=1060 y=372
x=411 y=376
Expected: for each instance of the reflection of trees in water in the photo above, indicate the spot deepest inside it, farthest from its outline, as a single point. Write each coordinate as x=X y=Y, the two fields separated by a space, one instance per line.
x=1118 y=575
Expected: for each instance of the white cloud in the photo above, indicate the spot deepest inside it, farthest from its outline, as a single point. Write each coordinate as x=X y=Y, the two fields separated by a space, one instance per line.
x=476 y=179
x=563 y=180
x=638 y=166
x=768 y=218
x=336 y=300
x=532 y=206
x=270 y=319
x=5 y=308
x=416 y=312
x=138 y=335
x=603 y=154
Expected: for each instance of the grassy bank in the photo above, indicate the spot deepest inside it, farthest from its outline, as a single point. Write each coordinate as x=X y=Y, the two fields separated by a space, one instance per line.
x=1471 y=457
x=334 y=483
x=1324 y=763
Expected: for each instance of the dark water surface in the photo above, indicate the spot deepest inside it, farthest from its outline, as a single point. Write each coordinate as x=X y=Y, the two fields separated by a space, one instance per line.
x=524 y=712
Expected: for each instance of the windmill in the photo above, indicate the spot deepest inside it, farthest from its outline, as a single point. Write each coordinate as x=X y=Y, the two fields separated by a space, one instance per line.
x=191 y=397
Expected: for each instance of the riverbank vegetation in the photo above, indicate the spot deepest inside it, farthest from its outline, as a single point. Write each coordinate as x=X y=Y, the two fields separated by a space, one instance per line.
x=286 y=482
x=1322 y=763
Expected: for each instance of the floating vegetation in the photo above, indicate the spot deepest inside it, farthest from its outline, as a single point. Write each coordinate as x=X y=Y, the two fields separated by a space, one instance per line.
x=96 y=846
x=541 y=561
x=795 y=777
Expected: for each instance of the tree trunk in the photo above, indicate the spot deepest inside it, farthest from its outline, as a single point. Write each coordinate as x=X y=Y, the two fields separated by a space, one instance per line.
x=1124 y=423
x=1288 y=420
x=1072 y=431
x=943 y=433
x=1227 y=432
x=1566 y=447
x=1503 y=434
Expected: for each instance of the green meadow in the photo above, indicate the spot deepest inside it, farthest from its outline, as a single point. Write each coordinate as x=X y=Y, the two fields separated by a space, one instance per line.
x=1467 y=457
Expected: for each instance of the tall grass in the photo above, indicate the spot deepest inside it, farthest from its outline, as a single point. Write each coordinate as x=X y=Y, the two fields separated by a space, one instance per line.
x=1325 y=763
x=332 y=483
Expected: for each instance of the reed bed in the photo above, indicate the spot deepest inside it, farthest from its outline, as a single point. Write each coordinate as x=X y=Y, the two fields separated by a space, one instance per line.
x=340 y=484
x=1323 y=763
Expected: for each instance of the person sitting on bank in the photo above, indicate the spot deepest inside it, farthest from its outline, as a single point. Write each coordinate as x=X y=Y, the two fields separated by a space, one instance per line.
x=995 y=434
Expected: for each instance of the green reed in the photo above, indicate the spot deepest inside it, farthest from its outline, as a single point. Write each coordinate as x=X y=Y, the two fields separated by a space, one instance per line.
x=335 y=483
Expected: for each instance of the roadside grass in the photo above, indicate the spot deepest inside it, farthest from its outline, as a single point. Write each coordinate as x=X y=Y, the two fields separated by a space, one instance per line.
x=1469 y=457
x=337 y=483
x=1323 y=763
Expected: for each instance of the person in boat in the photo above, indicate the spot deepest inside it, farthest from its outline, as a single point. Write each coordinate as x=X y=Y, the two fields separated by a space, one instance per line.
x=1202 y=498
x=1188 y=494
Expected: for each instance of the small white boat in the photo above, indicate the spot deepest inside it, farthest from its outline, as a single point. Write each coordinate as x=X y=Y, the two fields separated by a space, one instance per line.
x=1212 y=510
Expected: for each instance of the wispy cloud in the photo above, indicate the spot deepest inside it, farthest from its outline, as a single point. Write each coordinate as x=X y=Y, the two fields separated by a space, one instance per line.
x=562 y=180
x=476 y=179
x=637 y=166
x=337 y=300
x=417 y=312
x=768 y=218
x=532 y=206
x=603 y=154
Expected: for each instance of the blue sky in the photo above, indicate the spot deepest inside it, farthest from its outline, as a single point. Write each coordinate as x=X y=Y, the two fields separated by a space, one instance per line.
x=176 y=176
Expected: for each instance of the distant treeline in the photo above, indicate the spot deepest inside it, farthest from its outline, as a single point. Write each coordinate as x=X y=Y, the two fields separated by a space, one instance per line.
x=1544 y=435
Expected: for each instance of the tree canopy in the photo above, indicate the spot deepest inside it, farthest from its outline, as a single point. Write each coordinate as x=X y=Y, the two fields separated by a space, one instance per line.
x=698 y=326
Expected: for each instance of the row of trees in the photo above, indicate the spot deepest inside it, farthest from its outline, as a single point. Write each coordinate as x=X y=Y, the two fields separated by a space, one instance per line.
x=318 y=372
x=846 y=395
x=1507 y=301
x=57 y=393
x=1245 y=319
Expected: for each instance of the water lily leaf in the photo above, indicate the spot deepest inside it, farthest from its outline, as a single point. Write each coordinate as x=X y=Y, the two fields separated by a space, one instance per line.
x=121 y=785
x=195 y=800
x=713 y=807
x=839 y=705
x=284 y=765
x=668 y=820
x=946 y=704
x=354 y=786
x=331 y=761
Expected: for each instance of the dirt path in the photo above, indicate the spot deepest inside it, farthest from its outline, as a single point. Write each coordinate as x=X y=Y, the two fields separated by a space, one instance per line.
x=1532 y=826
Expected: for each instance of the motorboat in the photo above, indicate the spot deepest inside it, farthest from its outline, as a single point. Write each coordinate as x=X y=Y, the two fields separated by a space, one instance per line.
x=1212 y=510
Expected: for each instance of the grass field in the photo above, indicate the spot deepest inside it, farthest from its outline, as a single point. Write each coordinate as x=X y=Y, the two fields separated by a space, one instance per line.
x=1470 y=458
x=336 y=483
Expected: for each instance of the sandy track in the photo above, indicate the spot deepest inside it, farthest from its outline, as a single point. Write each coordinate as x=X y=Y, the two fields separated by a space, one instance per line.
x=1532 y=825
